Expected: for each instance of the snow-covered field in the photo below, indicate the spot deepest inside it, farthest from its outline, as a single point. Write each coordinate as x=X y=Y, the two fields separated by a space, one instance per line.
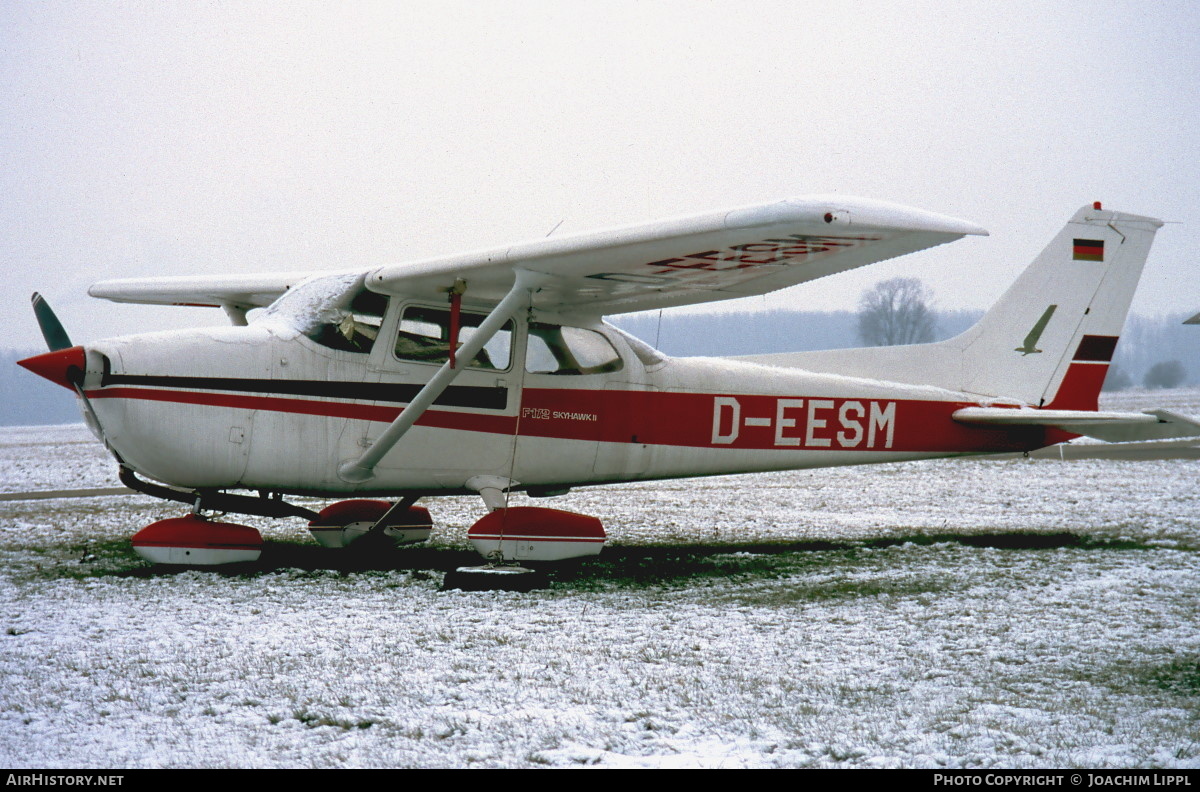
x=969 y=613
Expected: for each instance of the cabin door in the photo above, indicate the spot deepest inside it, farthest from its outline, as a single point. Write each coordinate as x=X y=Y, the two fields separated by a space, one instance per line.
x=470 y=426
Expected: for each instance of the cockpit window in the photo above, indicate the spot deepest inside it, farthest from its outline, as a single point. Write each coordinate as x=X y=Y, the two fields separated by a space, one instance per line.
x=554 y=349
x=336 y=311
x=356 y=327
x=424 y=336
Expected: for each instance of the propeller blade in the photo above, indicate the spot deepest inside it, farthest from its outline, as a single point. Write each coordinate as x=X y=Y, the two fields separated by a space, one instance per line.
x=52 y=329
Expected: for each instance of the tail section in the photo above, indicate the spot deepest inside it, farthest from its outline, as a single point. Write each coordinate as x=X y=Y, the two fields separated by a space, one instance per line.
x=1047 y=342
x=1050 y=338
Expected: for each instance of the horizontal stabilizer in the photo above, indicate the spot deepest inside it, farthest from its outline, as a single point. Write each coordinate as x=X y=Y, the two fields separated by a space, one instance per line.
x=1113 y=427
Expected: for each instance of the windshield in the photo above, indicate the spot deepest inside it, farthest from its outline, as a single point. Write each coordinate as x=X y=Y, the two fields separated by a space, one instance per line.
x=336 y=311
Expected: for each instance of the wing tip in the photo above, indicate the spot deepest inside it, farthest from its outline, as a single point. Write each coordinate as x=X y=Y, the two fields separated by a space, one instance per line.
x=872 y=213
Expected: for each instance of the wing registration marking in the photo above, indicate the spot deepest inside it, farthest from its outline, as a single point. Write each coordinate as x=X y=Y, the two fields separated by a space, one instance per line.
x=736 y=263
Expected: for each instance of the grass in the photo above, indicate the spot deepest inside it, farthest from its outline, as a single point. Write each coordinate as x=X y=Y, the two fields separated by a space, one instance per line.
x=1181 y=676
x=1043 y=638
x=618 y=565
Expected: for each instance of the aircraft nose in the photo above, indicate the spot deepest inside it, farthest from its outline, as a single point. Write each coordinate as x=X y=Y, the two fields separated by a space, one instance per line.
x=64 y=367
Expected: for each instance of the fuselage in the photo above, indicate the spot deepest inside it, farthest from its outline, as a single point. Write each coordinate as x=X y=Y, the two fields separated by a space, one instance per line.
x=552 y=402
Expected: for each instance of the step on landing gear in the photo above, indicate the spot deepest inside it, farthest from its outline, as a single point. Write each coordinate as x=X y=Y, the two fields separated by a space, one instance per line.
x=525 y=534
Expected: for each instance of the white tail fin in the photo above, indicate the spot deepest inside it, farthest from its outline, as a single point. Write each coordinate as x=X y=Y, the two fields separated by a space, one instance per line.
x=1050 y=338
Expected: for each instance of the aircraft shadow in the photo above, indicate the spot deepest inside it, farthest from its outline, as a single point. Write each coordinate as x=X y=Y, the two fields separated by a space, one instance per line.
x=633 y=564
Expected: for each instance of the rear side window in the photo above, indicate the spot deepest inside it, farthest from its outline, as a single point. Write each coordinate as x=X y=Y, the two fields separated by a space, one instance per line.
x=554 y=349
x=424 y=336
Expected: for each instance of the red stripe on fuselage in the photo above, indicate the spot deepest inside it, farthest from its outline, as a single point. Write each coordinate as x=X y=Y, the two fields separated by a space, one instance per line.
x=707 y=420
x=700 y=420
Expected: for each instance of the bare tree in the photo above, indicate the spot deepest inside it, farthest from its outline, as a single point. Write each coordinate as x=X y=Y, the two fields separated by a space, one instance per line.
x=896 y=311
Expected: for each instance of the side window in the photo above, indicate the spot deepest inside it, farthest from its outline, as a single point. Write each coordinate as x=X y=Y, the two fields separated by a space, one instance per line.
x=424 y=336
x=554 y=349
x=353 y=328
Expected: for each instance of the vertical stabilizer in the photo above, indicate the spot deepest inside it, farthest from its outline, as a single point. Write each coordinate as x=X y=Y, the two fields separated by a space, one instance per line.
x=1051 y=337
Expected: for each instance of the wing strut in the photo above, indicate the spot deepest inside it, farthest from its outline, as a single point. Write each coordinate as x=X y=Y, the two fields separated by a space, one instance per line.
x=363 y=469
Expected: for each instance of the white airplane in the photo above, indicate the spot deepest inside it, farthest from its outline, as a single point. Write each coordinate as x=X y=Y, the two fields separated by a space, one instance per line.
x=493 y=372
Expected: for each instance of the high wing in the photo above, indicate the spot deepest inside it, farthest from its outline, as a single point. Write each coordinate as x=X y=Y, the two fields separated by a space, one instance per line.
x=232 y=291
x=715 y=256
x=701 y=258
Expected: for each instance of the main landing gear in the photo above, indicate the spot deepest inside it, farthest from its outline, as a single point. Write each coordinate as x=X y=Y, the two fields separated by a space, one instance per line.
x=507 y=537
x=346 y=521
x=197 y=540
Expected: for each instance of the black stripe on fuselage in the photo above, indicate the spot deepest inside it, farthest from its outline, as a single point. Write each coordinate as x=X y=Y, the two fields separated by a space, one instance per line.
x=488 y=398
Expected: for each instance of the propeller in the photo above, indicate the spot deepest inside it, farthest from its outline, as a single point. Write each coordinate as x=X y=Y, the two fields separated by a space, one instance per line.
x=52 y=329
x=64 y=364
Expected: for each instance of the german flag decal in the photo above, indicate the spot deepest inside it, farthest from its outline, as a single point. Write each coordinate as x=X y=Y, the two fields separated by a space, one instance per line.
x=1089 y=250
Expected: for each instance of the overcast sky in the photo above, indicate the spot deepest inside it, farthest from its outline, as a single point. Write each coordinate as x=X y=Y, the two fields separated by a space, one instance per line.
x=201 y=137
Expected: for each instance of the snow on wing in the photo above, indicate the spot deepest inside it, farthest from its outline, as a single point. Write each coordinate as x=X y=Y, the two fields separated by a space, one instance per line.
x=235 y=291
